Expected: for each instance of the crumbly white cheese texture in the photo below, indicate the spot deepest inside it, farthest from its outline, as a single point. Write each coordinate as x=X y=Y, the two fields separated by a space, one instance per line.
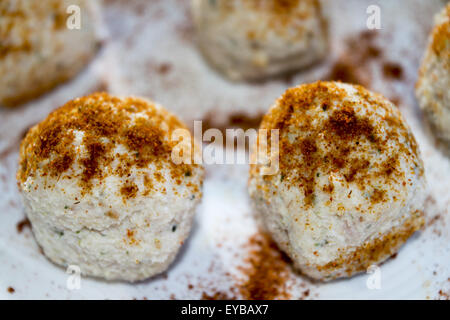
x=432 y=88
x=255 y=39
x=38 y=50
x=101 y=190
x=350 y=183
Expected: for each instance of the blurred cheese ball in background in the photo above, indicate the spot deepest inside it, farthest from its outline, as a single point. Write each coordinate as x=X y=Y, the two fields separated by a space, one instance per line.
x=432 y=88
x=38 y=51
x=350 y=184
x=254 y=39
x=101 y=191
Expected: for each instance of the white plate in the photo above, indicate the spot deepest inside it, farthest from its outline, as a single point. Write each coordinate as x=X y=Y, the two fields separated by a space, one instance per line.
x=145 y=35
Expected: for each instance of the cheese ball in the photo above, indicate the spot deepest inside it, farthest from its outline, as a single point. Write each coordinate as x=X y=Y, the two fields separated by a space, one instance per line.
x=349 y=187
x=256 y=39
x=432 y=88
x=101 y=191
x=38 y=51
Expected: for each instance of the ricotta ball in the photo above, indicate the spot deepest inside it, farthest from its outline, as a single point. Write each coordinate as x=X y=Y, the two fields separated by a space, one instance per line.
x=255 y=39
x=101 y=190
x=432 y=88
x=349 y=187
x=38 y=51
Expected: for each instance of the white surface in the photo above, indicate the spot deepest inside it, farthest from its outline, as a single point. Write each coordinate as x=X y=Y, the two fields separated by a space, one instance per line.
x=149 y=33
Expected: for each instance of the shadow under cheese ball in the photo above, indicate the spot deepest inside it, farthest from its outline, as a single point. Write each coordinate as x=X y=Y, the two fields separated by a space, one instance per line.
x=433 y=85
x=101 y=190
x=256 y=39
x=38 y=51
x=350 y=185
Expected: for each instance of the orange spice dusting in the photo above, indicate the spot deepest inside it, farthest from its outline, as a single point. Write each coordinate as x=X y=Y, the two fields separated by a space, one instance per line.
x=393 y=70
x=378 y=195
x=277 y=7
x=443 y=295
x=377 y=249
x=105 y=122
x=283 y=6
x=129 y=191
x=267 y=273
x=112 y=215
x=277 y=15
x=235 y=120
x=130 y=238
x=352 y=65
x=345 y=71
x=441 y=35
x=96 y=154
x=321 y=133
x=22 y=224
x=217 y=296
x=347 y=125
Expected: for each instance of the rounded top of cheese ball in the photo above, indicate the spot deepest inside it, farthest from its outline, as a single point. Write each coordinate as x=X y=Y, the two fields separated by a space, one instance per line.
x=349 y=169
x=260 y=18
x=255 y=39
x=106 y=151
x=20 y=15
x=38 y=50
x=341 y=131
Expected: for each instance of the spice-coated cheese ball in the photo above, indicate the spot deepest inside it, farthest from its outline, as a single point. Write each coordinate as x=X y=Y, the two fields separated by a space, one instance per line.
x=254 y=39
x=349 y=187
x=38 y=51
x=100 y=188
x=432 y=89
